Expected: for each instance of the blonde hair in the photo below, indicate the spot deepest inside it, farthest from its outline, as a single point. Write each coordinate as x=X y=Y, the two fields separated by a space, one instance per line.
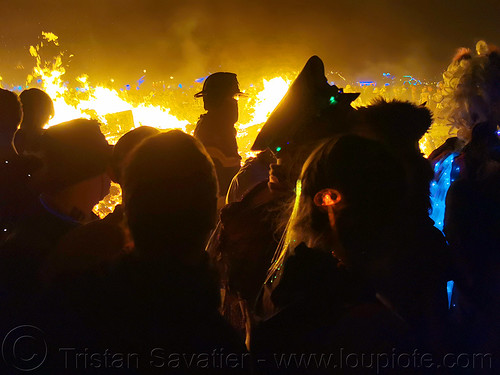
x=470 y=89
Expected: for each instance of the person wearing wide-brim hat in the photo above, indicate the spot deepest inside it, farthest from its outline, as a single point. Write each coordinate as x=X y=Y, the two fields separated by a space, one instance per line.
x=72 y=180
x=215 y=129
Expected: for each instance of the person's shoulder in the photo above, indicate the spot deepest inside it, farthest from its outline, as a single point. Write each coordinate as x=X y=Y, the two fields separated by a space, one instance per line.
x=248 y=201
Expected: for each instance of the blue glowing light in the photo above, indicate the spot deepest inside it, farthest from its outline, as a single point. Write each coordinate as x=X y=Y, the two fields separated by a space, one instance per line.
x=439 y=188
x=140 y=82
x=367 y=83
x=449 y=290
x=200 y=80
x=180 y=86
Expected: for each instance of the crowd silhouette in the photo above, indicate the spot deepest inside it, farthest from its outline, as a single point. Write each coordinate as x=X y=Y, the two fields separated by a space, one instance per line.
x=320 y=244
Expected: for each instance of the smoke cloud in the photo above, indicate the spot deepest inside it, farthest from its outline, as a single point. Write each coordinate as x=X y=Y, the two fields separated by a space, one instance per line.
x=188 y=39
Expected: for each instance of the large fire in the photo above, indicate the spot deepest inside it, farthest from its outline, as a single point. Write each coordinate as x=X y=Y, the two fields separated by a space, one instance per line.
x=120 y=110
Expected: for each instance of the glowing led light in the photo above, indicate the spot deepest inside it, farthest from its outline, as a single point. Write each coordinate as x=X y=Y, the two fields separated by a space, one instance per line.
x=439 y=188
x=327 y=200
x=333 y=100
x=449 y=290
x=278 y=149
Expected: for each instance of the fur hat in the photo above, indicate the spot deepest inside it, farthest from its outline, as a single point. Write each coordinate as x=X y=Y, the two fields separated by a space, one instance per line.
x=396 y=121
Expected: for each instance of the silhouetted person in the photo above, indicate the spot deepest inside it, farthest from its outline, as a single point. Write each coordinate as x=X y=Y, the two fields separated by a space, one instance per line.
x=16 y=193
x=327 y=271
x=91 y=246
x=167 y=288
x=472 y=96
x=73 y=180
x=416 y=280
x=11 y=116
x=38 y=109
x=472 y=226
x=215 y=129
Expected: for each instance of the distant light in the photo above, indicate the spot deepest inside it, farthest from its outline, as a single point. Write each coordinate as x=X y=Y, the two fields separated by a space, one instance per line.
x=278 y=149
x=180 y=86
x=367 y=83
x=333 y=100
x=201 y=79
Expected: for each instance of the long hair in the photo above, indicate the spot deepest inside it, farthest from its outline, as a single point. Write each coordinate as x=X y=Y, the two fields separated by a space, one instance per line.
x=470 y=90
x=372 y=186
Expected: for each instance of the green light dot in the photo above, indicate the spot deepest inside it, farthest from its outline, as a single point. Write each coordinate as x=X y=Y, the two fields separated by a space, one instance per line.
x=333 y=100
x=278 y=149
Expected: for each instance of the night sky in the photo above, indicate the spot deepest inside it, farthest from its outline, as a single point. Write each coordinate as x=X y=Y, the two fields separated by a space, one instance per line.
x=187 y=39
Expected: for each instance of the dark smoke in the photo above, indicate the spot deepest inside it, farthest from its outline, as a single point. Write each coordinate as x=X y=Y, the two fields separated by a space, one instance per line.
x=188 y=39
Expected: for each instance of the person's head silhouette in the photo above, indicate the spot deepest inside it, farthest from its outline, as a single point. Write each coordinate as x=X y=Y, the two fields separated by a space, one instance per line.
x=124 y=147
x=38 y=109
x=220 y=91
x=10 y=116
x=170 y=195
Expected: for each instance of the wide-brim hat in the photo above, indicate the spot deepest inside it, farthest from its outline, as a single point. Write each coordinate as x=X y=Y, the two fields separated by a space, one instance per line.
x=307 y=105
x=74 y=151
x=220 y=84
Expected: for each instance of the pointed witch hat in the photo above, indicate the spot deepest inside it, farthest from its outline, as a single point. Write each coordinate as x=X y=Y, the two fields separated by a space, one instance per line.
x=304 y=111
